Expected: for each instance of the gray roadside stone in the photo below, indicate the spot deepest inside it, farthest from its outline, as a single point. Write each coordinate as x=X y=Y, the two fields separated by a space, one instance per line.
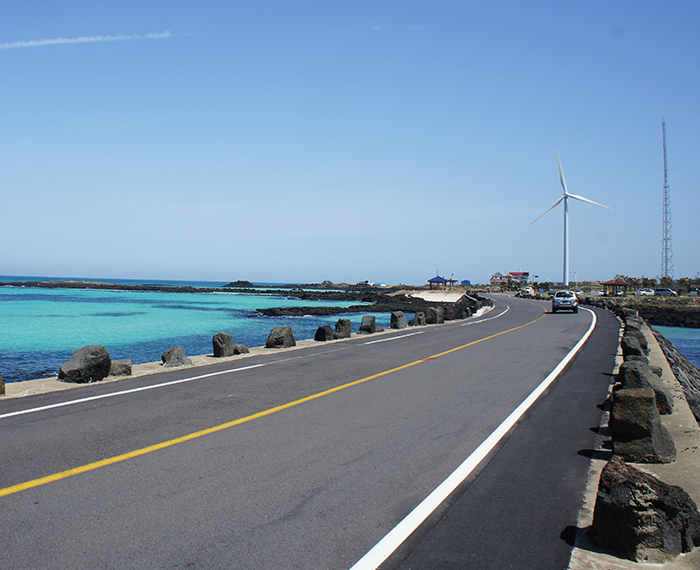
x=324 y=334
x=368 y=324
x=435 y=315
x=637 y=432
x=175 y=357
x=280 y=337
x=222 y=344
x=398 y=320
x=343 y=329
x=626 y=312
x=88 y=364
x=641 y=517
x=635 y=374
x=637 y=359
x=639 y=335
x=630 y=347
x=418 y=320
x=240 y=349
x=120 y=368
x=2 y=386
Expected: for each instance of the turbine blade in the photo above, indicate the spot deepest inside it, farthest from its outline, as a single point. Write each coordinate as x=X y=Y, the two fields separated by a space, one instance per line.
x=587 y=200
x=561 y=175
x=548 y=209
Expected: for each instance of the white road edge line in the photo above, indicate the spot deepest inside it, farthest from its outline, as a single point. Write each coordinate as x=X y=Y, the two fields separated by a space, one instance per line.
x=393 y=338
x=489 y=319
x=387 y=545
x=122 y=392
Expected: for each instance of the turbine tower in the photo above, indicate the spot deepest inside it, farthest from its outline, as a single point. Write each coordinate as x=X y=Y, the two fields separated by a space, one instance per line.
x=565 y=198
x=666 y=237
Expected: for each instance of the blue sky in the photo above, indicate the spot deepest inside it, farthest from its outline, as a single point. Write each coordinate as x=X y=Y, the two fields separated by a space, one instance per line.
x=345 y=140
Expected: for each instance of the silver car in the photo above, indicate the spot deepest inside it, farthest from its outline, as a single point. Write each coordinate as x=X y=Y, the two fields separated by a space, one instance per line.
x=669 y=292
x=564 y=301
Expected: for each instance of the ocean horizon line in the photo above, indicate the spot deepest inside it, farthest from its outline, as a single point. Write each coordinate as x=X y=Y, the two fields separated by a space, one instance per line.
x=133 y=281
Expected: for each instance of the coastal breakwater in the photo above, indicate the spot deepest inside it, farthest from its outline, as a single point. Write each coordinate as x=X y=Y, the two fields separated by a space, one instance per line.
x=659 y=311
x=665 y=312
x=642 y=514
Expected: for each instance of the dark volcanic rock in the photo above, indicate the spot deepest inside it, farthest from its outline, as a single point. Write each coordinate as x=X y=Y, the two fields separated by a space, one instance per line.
x=633 y=323
x=418 y=320
x=88 y=364
x=380 y=303
x=280 y=337
x=670 y=315
x=120 y=368
x=2 y=386
x=634 y=374
x=343 y=329
x=368 y=325
x=240 y=283
x=667 y=311
x=175 y=357
x=639 y=335
x=641 y=517
x=324 y=334
x=240 y=349
x=637 y=432
x=222 y=344
x=637 y=358
x=398 y=320
x=435 y=315
x=630 y=346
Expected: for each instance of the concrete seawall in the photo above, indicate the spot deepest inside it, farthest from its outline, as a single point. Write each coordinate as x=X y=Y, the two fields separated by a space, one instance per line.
x=682 y=472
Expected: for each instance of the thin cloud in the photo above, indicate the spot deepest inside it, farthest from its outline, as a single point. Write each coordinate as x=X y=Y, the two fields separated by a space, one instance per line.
x=83 y=39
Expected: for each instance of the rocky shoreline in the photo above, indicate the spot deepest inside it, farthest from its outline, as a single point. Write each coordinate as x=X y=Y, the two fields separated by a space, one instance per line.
x=663 y=312
x=317 y=292
x=375 y=303
x=373 y=299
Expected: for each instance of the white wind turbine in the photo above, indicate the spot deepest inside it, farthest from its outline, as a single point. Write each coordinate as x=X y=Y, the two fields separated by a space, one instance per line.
x=565 y=197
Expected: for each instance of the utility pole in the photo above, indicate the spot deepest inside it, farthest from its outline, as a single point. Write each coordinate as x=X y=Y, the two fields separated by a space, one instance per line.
x=666 y=235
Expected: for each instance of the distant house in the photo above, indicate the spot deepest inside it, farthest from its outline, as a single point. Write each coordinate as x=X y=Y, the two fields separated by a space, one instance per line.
x=498 y=279
x=466 y=282
x=437 y=282
x=520 y=277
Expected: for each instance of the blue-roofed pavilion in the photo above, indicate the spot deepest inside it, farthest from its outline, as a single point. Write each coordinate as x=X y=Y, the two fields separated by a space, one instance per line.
x=437 y=282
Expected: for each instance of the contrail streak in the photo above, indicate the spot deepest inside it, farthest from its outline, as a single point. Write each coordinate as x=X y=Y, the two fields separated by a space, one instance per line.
x=83 y=39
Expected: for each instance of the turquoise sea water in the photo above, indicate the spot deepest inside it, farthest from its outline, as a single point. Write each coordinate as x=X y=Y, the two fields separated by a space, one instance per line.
x=41 y=328
x=686 y=340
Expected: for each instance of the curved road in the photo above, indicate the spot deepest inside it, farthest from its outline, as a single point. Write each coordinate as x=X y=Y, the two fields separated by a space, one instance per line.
x=308 y=458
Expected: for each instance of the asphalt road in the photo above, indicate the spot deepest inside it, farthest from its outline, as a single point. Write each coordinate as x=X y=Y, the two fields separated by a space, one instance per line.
x=307 y=458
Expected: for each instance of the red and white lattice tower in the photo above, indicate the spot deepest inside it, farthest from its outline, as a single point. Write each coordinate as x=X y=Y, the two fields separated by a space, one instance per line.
x=666 y=234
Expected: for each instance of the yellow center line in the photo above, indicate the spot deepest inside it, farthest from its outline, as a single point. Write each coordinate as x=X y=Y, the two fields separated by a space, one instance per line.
x=151 y=448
